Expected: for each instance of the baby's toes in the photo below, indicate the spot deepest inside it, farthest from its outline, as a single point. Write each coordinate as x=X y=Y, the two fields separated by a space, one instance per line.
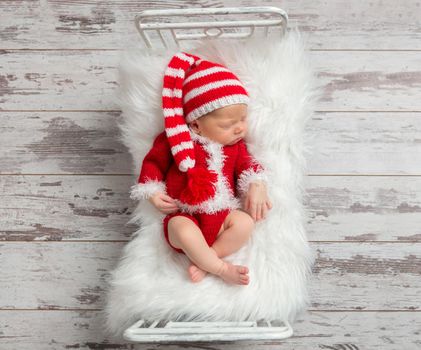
x=244 y=279
x=193 y=271
x=196 y=274
x=195 y=277
x=243 y=270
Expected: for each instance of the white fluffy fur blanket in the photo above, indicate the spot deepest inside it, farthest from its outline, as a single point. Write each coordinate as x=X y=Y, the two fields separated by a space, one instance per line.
x=151 y=280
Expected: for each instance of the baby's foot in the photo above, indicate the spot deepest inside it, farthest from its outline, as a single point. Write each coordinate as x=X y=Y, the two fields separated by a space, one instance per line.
x=233 y=273
x=196 y=273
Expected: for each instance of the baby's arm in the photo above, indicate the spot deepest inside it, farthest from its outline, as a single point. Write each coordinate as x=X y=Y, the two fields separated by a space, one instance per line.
x=251 y=184
x=257 y=202
x=151 y=183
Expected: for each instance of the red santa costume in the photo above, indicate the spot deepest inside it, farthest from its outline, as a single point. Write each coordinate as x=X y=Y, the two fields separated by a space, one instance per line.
x=204 y=177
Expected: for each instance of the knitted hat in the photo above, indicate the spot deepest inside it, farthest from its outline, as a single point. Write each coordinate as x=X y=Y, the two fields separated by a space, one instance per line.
x=192 y=88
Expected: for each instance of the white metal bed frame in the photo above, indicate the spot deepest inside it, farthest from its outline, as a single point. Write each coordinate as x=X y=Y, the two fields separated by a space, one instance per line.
x=211 y=30
x=144 y=331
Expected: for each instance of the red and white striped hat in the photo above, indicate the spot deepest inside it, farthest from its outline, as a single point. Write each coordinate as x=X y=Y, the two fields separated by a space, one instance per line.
x=192 y=88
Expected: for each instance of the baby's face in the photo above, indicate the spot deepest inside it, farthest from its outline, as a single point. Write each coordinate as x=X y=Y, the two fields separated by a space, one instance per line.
x=226 y=125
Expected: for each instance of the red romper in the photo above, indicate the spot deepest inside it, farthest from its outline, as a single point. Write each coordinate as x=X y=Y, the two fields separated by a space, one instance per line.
x=235 y=169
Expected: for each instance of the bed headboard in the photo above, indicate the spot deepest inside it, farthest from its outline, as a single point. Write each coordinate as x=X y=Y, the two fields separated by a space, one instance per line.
x=221 y=22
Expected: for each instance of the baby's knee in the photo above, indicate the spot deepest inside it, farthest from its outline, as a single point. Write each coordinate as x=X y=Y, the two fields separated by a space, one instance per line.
x=248 y=221
x=245 y=222
x=180 y=227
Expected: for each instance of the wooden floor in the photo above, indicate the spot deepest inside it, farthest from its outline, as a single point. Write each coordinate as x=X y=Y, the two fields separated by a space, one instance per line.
x=65 y=176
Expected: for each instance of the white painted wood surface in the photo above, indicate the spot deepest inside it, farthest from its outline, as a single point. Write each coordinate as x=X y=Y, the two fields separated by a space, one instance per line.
x=351 y=80
x=347 y=275
x=64 y=176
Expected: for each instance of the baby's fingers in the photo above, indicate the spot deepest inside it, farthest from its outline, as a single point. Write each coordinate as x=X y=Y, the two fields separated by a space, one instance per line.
x=168 y=206
x=167 y=198
x=260 y=212
x=253 y=211
x=264 y=211
x=169 y=210
x=247 y=203
x=165 y=205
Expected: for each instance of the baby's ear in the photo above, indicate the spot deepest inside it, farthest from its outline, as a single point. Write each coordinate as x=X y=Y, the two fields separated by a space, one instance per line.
x=194 y=125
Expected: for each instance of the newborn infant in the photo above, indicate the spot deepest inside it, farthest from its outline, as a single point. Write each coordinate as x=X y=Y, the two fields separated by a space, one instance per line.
x=197 y=170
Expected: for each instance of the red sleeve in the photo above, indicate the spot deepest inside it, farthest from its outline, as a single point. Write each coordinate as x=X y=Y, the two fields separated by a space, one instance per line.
x=247 y=169
x=154 y=169
x=157 y=161
x=245 y=160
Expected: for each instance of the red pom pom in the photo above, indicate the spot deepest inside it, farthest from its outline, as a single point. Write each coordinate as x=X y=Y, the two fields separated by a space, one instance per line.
x=200 y=186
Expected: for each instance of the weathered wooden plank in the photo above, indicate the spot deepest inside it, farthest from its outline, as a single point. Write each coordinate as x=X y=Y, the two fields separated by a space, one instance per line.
x=58 y=276
x=362 y=81
x=350 y=80
x=58 y=80
x=91 y=24
x=340 y=208
x=58 y=142
x=314 y=330
x=363 y=208
x=65 y=207
x=88 y=143
x=347 y=276
x=366 y=276
x=364 y=143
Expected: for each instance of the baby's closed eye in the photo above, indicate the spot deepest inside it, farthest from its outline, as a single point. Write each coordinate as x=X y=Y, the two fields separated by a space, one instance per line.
x=225 y=126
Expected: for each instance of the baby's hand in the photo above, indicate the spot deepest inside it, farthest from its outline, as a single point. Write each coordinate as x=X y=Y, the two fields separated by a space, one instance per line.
x=257 y=202
x=163 y=203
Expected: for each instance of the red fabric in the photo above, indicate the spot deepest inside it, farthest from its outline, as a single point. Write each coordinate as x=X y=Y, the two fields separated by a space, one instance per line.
x=157 y=161
x=172 y=82
x=209 y=224
x=173 y=103
x=159 y=165
x=211 y=96
x=245 y=161
x=195 y=83
x=200 y=185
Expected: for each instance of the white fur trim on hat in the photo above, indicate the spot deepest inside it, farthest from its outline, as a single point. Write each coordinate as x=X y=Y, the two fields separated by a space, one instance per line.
x=215 y=104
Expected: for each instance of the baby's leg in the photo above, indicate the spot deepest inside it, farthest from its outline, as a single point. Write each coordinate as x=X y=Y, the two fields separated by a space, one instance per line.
x=234 y=233
x=184 y=234
x=237 y=229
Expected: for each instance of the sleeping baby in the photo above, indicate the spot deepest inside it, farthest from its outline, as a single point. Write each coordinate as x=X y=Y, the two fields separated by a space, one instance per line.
x=199 y=172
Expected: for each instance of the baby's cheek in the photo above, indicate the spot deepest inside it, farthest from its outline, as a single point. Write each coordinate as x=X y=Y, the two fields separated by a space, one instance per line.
x=224 y=134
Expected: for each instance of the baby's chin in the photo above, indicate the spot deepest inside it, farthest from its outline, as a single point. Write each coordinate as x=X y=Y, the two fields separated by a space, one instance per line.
x=234 y=142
